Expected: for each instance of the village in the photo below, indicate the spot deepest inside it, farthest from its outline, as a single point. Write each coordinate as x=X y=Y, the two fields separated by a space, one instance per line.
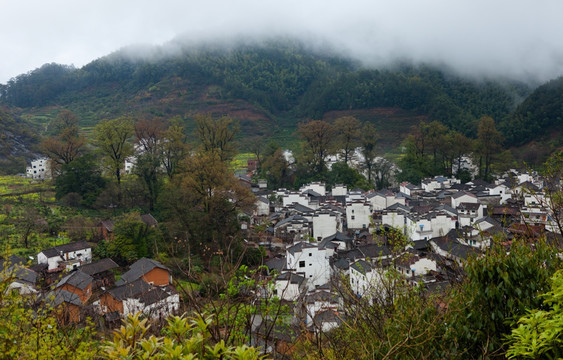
x=317 y=242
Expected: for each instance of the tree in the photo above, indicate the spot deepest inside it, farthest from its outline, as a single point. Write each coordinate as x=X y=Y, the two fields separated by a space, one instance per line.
x=499 y=287
x=539 y=333
x=369 y=151
x=111 y=138
x=459 y=146
x=67 y=142
x=204 y=199
x=174 y=146
x=149 y=140
x=182 y=338
x=348 y=135
x=340 y=173
x=217 y=136
x=318 y=136
x=275 y=170
x=434 y=134
x=383 y=172
x=148 y=135
x=81 y=176
x=489 y=143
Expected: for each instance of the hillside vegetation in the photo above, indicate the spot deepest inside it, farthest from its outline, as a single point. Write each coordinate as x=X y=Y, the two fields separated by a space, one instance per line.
x=272 y=78
x=271 y=86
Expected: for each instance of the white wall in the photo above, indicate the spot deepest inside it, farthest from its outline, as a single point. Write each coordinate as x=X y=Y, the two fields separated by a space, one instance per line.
x=317 y=187
x=324 y=224
x=358 y=215
x=313 y=263
x=285 y=290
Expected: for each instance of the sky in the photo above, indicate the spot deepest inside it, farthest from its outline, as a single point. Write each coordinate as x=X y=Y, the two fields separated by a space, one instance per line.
x=515 y=39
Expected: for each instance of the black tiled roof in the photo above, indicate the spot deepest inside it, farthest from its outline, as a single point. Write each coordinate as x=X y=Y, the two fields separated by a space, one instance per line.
x=66 y=248
x=99 y=266
x=78 y=279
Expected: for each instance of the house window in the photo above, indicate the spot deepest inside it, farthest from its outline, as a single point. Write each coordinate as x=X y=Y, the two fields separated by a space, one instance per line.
x=310 y=254
x=275 y=292
x=353 y=217
x=302 y=264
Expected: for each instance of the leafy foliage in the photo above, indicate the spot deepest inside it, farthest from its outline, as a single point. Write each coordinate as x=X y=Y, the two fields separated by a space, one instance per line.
x=499 y=288
x=182 y=338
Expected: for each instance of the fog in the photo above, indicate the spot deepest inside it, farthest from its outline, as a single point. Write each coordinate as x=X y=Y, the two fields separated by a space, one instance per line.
x=515 y=39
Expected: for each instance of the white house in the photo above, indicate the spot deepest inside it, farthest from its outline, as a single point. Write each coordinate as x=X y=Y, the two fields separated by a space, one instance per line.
x=40 y=169
x=408 y=188
x=339 y=190
x=68 y=256
x=367 y=279
x=317 y=187
x=157 y=303
x=429 y=226
x=501 y=190
x=358 y=215
x=311 y=261
x=468 y=213
x=294 y=197
x=463 y=197
x=325 y=223
x=318 y=301
x=289 y=286
x=262 y=206
x=411 y=265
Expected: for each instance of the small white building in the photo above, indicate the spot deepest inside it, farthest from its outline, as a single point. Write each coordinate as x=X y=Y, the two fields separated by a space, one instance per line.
x=262 y=206
x=66 y=257
x=367 y=280
x=317 y=187
x=358 y=215
x=339 y=190
x=311 y=261
x=325 y=223
x=294 y=197
x=289 y=286
x=463 y=197
x=40 y=169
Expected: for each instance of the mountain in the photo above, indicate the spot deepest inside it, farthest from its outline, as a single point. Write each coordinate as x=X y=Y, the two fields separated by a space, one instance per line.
x=18 y=143
x=539 y=115
x=268 y=86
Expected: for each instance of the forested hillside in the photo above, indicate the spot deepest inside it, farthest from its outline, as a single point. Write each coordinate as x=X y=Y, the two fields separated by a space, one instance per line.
x=18 y=142
x=540 y=114
x=266 y=86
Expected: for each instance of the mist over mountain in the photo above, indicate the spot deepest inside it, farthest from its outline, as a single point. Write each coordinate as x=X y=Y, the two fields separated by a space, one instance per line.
x=269 y=85
x=512 y=39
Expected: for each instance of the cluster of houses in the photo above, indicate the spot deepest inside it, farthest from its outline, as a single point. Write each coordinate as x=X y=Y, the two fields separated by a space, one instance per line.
x=66 y=278
x=316 y=238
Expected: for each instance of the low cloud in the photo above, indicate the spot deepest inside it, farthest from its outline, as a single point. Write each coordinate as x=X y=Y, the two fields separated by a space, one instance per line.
x=514 y=39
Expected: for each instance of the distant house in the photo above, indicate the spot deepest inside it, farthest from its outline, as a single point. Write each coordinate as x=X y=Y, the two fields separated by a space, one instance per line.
x=101 y=272
x=21 y=278
x=366 y=279
x=149 y=220
x=149 y=270
x=106 y=229
x=140 y=296
x=289 y=286
x=310 y=260
x=358 y=214
x=66 y=257
x=67 y=306
x=40 y=169
x=77 y=283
